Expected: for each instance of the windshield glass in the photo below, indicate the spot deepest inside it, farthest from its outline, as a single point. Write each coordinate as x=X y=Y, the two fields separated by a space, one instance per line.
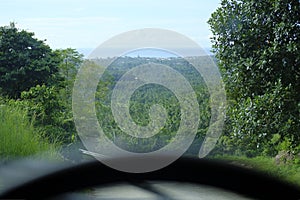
x=105 y=79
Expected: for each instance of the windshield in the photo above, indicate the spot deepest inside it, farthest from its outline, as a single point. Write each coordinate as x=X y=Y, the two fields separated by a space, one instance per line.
x=99 y=79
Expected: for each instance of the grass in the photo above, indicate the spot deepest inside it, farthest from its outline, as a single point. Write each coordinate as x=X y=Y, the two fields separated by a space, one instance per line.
x=286 y=172
x=18 y=137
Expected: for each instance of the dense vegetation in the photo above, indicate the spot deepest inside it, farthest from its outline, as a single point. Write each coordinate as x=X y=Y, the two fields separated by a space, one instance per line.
x=257 y=47
x=146 y=96
x=257 y=44
x=36 y=86
x=25 y=62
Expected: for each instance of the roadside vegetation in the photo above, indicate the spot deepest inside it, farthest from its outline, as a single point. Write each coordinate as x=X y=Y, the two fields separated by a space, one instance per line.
x=35 y=87
x=256 y=44
x=19 y=138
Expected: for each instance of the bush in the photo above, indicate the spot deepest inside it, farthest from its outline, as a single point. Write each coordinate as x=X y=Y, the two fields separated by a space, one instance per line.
x=53 y=114
x=263 y=125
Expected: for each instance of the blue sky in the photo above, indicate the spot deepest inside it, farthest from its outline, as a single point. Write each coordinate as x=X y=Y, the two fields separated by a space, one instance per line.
x=88 y=23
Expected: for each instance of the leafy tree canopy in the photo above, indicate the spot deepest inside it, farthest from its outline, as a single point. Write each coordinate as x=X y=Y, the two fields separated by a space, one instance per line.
x=24 y=61
x=257 y=44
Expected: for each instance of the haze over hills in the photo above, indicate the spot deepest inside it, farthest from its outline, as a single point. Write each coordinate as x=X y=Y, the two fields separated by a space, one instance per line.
x=87 y=51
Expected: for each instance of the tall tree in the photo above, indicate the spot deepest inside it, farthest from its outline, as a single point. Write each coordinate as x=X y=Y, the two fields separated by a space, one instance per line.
x=71 y=61
x=24 y=61
x=257 y=45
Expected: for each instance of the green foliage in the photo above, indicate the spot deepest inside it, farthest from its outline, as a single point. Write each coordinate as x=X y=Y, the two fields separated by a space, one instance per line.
x=145 y=97
x=24 y=61
x=257 y=42
x=53 y=114
x=259 y=124
x=257 y=47
x=70 y=63
x=50 y=104
x=18 y=137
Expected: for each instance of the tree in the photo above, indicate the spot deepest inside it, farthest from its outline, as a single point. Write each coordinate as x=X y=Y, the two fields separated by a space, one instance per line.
x=24 y=61
x=257 y=45
x=70 y=63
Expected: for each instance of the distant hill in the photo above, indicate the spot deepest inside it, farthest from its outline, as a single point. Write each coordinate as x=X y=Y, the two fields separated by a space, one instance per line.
x=86 y=52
